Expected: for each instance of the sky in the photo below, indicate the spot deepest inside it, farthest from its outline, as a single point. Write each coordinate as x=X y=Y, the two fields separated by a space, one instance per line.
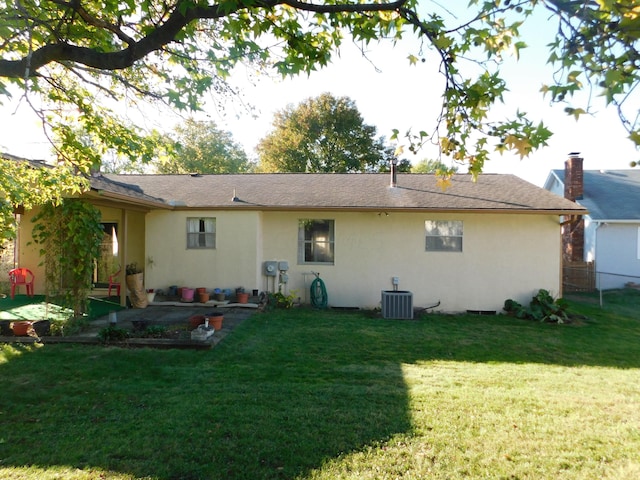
x=391 y=94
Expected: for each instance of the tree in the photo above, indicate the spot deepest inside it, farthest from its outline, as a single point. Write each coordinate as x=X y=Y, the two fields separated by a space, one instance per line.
x=323 y=134
x=82 y=58
x=431 y=166
x=69 y=236
x=26 y=184
x=201 y=147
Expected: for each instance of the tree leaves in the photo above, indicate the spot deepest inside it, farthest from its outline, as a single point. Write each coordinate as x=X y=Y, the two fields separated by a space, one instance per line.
x=322 y=134
x=83 y=58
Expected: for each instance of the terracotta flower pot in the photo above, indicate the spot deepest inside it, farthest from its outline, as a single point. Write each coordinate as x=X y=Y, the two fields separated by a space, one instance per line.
x=22 y=329
x=203 y=297
x=216 y=322
x=196 y=320
x=242 y=297
x=200 y=290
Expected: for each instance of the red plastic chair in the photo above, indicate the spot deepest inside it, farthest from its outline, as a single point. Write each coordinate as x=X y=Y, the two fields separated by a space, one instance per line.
x=21 y=276
x=114 y=281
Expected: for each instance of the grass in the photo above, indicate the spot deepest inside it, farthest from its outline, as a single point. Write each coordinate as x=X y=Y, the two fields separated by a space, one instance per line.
x=302 y=394
x=37 y=308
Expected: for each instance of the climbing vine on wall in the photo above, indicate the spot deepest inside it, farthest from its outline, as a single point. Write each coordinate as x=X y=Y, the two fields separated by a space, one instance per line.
x=69 y=236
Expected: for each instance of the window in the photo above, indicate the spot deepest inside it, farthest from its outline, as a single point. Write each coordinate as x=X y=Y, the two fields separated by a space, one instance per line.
x=443 y=235
x=316 y=241
x=201 y=232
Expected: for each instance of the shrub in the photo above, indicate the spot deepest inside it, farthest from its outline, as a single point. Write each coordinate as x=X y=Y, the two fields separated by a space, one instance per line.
x=70 y=326
x=280 y=300
x=543 y=308
x=153 y=331
x=112 y=334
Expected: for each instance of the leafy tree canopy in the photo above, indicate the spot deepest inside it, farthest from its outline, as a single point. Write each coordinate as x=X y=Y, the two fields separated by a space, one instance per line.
x=203 y=148
x=431 y=166
x=323 y=134
x=76 y=61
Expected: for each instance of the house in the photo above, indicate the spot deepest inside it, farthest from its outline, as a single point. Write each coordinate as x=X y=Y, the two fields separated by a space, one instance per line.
x=609 y=235
x=469 y=246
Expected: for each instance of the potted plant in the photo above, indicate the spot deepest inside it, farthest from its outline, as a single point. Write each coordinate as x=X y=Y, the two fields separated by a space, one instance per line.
x=135 y=283
x=151 y=294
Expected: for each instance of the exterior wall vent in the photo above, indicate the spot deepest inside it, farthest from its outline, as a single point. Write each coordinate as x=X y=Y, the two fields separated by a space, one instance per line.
x=397 y=304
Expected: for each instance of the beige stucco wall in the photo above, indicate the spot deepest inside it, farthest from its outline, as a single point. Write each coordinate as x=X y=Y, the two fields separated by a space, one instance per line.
x=504 y=256
x=235 y=262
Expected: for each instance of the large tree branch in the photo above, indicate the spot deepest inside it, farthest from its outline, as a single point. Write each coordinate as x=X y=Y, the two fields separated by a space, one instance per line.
x=164 y=34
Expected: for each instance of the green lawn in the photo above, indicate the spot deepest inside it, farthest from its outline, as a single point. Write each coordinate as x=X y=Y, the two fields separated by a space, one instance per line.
x=36 y=308
x=303 y=394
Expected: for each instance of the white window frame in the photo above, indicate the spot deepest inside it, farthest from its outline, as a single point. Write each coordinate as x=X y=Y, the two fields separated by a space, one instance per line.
x=201 y=233
x=444 y=235
x=314 y=248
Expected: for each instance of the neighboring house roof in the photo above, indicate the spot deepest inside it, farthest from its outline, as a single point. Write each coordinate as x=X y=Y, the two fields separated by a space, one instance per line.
x=610 y=195
x=300 y=191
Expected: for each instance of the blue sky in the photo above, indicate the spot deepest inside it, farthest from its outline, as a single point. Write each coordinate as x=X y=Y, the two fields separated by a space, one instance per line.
x=392 y=94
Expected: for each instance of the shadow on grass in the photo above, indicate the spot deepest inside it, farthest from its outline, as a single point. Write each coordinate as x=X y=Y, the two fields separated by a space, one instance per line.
x=281 y=396
x=23 y=307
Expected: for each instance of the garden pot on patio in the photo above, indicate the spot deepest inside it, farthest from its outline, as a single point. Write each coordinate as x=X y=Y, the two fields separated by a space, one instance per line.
x=5 y=328
x=203 y=297
x=22 y=329
x=215 y=320
x=42 y=327
x=137 y=294
x=196 y=320
x=187 y=294
x=242 y=297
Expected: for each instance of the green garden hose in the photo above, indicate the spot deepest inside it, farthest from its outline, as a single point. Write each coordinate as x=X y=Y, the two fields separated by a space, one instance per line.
x=318 y=292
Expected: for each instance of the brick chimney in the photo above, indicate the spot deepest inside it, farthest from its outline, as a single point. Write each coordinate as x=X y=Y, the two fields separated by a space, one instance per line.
x=573 y=177
x=573 y=227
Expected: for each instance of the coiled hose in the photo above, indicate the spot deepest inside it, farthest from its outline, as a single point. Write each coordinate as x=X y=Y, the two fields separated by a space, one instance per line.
x=318 y=293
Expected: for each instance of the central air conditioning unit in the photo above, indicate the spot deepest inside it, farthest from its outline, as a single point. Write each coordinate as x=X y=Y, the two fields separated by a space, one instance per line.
x=397 y=304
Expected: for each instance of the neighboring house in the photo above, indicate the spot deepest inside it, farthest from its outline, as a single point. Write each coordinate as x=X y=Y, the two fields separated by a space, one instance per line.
x=469 y=247
x=609 y=235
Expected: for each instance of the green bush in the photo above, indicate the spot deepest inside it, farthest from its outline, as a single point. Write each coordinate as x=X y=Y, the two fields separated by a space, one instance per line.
x=112 y=334
x=68 y=327
x=280 y=300
x=153 y=331
x=543 y=308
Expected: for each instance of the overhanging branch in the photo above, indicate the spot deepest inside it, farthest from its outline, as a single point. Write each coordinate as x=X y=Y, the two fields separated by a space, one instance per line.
x=164 y=34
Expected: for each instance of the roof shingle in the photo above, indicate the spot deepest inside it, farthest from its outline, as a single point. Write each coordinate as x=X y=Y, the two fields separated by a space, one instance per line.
x=301 y=191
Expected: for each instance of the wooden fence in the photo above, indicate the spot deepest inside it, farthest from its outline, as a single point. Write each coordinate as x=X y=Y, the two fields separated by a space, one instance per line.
x=578 y=277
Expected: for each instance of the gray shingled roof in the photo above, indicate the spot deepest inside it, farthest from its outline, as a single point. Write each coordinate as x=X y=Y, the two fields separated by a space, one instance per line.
x=282 y=191
x=103 y=183
x=610 y=194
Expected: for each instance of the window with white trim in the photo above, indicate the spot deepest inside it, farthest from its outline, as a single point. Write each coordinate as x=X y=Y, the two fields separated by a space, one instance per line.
x=316 y=241
x=443 y=235
x=201 y=232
